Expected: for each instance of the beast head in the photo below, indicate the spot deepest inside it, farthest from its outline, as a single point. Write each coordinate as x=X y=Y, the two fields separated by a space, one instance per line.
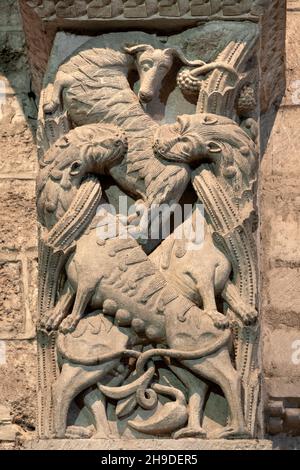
x=90 y=149
x=208 y=138
x=214 y=143
x=153 y=65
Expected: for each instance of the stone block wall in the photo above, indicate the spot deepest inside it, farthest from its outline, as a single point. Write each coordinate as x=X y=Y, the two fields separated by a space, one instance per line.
x=280 y=247
x=18 y=253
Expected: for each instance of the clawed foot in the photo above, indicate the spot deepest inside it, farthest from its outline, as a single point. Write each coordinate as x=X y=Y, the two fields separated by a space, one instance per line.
x=78 y=432
x=190 y=432
x=230 y=432
x=69 y=324
x=51 y=107
x=220 y=320
x=248 y=317
x=51 y=320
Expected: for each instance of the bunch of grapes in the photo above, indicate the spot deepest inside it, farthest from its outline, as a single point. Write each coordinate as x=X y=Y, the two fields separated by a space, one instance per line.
x=246 y=101
x=188 y=83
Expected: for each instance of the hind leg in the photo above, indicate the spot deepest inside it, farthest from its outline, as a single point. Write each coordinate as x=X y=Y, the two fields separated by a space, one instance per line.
x=218 y=369
x=62 y=80
x=206 y=289
x=95 y=401
x=245 y=311
x=197 y=391
x=71 y=381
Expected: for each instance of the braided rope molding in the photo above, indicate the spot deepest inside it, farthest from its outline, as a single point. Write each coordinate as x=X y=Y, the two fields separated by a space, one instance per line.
x=51 y=10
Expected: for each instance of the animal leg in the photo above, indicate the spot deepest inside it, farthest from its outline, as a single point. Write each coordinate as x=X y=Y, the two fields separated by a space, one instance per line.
x=83 y=296
x=197 y=391
x=62 y=80
x=206 y=288
x=52 y=319
x=245 y=312
x=95 y=401
x=218 y=369
x=71 y=381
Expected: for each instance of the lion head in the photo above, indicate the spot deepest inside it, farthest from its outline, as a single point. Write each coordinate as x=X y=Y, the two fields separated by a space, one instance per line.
x=215 y=141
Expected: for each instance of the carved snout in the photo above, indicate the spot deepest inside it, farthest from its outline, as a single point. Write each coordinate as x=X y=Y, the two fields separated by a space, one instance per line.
x=145 y=97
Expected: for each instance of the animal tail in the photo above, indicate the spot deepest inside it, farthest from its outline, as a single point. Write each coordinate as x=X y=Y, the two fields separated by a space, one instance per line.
x=182 y=355
x=92 y=361
x=146 y=397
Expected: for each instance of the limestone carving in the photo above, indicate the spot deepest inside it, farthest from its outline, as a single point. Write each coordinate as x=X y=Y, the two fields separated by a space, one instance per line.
x=141 y=331
x=147 y=8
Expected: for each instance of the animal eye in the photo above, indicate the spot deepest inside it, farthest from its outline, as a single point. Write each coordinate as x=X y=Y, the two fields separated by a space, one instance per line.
x=164 y=67
x=146 y=65
x=75 y=168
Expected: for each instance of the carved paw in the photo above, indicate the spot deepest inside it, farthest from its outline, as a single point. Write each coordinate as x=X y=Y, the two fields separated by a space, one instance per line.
x=219 y=320
x=69 y=324
x=230 y=432
x=249 y=317
x=51 y=320
x=79 y=432
x=51 y=107
x=189 y=432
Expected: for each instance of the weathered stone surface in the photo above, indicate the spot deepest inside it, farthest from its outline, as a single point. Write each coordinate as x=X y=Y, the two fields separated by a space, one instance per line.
x=150 y=444
x=18 y=383
x=292 y=94
x=282 y=352
x=12 y=315
x=32 y=282
x=284 y=289
x=5 y=416
x=160 y=16
x=278 y=204
x=17 y=213
x=17 y=231
x=16 y=133
x=282 y=386
x=280 y=159
x=157 y=301
x=280 y=260
x=9 y=432
x=9 y=13
x=50 y=9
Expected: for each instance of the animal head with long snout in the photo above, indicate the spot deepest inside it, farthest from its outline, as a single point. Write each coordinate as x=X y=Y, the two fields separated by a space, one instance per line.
x=90 y=149
x=153 y=65
x=213 y=139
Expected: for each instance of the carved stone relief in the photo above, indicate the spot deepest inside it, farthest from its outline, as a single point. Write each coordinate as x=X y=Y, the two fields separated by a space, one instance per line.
x=146 y=8
x=138 y=336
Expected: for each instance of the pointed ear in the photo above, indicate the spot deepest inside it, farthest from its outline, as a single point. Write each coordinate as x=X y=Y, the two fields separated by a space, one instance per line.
x=213 y=147
x=132 y=50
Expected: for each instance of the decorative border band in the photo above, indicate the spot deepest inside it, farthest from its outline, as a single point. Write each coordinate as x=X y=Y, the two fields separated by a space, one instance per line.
x=51 y=10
